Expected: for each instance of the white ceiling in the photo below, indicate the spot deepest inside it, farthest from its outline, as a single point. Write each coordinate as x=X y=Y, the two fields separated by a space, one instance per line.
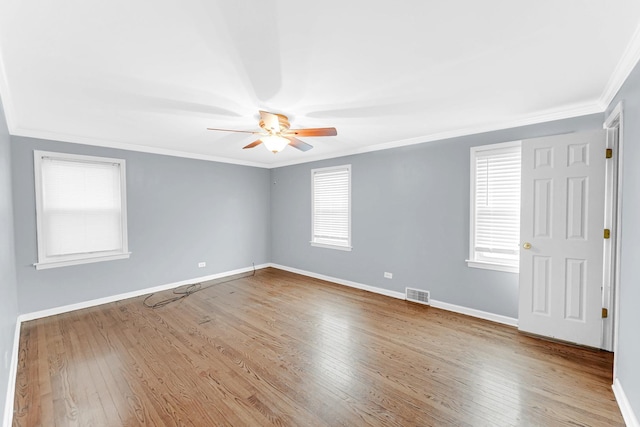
x=153 y=75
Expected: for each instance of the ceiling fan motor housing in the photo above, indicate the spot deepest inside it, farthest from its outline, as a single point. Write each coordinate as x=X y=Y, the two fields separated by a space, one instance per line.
x=283 y=123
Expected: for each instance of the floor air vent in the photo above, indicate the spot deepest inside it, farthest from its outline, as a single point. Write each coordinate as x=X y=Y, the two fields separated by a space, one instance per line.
x=417 y=295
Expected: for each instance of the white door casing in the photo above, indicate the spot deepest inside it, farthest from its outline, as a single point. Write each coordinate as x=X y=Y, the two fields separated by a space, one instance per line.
x=610 y=245
x=562 y=219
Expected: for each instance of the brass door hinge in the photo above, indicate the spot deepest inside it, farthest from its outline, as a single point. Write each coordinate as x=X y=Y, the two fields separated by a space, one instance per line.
x=607 y=233
x=605 y=313
x=609 y=153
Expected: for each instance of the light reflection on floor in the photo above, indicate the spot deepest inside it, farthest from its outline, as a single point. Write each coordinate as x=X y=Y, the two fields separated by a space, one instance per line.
x=334 y=362
x=492 y=378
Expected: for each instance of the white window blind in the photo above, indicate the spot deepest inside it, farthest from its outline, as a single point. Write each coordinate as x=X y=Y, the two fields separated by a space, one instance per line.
x=81 y=208
x=496 y=204
x=331 y=205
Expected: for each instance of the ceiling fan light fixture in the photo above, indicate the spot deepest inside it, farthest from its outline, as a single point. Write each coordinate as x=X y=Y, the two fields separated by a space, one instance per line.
x=276 y=133
x=275 y=143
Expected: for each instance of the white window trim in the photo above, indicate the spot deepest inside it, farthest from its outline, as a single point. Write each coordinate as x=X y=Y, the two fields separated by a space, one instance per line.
x=485 y=265
x=471 y=261
x=347 y=247
x=325 y=245
x=45 y=262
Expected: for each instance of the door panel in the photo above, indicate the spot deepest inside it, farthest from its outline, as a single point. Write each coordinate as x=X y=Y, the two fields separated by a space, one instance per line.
x=540 y=284
x=577 y=194
x=542 y=205
x=562 y=217
x=575 y=289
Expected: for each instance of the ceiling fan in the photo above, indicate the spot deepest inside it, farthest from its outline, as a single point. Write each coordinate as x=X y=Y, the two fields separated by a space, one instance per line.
x=276 y=134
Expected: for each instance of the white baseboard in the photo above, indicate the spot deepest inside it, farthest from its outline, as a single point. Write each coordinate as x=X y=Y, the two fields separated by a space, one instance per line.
x=629 y=416
x=498 y=318
x=92 y=303
x=349 y=283
x=394 y=294
x=13 y=372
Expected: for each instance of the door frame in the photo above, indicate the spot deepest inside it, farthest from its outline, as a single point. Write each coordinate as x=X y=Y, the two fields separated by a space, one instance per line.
x=613 y=202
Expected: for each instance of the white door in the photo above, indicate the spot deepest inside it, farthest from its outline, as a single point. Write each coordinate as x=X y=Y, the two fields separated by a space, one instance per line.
x=561 y=233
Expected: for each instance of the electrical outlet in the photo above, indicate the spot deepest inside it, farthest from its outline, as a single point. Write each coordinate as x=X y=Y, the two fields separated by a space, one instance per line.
x=388 y=275
x=202 y=264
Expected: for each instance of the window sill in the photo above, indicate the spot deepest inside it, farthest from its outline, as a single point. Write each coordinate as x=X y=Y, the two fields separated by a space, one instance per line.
x=327 y=246
x=493 y=266
x=54 y=264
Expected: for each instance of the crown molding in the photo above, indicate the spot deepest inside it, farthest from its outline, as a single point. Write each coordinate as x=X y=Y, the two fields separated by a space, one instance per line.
x=74 y=139
x=537 y=118
x=625 y=65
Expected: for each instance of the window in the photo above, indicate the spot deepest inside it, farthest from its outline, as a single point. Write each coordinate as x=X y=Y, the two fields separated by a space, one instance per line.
x=495 y=207
x=81 y=209
x=331 y=207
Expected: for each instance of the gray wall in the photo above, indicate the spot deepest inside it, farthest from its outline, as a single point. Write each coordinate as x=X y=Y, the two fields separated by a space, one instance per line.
x=8 y=283
x=628 y=355
x=410 y=217
x=180 y=211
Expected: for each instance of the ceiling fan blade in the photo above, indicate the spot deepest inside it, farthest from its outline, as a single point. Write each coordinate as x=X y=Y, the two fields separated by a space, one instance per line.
x=233 y=130
x=300 y=145
x=312 y=132
x=253 y=144
x=270 y=120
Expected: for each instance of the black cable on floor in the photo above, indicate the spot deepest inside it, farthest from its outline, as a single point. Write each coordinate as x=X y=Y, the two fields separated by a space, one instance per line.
x=190 y=290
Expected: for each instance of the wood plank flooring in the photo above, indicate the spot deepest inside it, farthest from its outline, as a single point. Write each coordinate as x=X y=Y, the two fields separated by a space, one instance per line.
x=282 y=349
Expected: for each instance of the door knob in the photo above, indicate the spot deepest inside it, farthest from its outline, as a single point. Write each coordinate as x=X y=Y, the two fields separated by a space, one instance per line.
x=527 y=245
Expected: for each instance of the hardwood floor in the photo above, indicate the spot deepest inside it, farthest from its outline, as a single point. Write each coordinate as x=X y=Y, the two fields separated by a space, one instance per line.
x=282 y=349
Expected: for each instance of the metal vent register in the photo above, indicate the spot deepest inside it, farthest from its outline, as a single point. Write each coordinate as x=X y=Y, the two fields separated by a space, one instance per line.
x=417 y=295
